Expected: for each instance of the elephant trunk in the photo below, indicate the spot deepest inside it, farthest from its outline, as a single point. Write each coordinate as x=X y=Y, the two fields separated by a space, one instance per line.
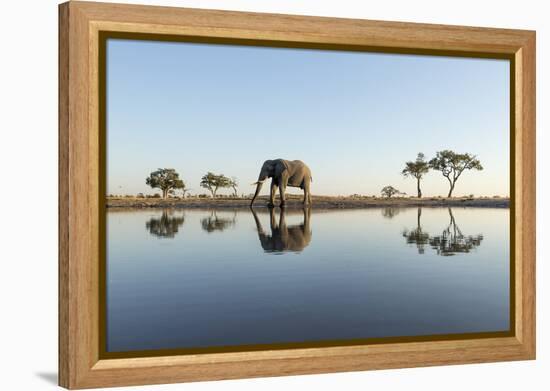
x=259 y=185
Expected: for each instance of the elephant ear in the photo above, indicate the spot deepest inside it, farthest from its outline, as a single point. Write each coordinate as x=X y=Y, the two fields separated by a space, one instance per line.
x=280 y=167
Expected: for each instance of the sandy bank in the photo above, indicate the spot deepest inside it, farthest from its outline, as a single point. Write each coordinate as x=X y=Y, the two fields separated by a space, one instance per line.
x=319 y=202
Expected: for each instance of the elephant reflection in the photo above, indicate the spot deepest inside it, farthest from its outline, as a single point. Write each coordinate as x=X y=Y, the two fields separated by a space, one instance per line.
x=215 y=223
x=166 y=226
x=450 y=242
x=284 y=238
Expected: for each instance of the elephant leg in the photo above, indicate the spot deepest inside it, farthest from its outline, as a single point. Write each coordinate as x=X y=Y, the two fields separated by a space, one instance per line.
x=272 y=194
x=282 y=189
x=282 y=194
x=307 y=193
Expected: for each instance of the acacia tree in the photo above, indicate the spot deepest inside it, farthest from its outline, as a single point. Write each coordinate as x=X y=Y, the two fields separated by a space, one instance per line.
x=416 y=169
x=233 y=183
x=453 y=241
x=452 y=165
x=389 y=191
x=215 y=223
x=184 y=190
x=165 y=179
x=166 y=226
x=417 y=235
x=213 y=182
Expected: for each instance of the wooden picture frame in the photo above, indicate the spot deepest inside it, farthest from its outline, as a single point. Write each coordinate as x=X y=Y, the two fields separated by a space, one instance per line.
x=81 y=189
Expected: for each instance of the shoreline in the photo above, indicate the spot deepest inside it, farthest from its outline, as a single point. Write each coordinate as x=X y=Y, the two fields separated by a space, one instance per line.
x=318 y=202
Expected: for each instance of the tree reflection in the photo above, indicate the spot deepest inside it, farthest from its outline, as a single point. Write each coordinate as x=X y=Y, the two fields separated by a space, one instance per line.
x=417 y=236
x=453 y=241
x=284 y=238
x=215 y=223
x=166 y=226
x=450 y=242
x=390 y=212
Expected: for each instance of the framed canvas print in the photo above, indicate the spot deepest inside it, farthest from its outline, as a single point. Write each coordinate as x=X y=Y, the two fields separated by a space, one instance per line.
x=247 y=195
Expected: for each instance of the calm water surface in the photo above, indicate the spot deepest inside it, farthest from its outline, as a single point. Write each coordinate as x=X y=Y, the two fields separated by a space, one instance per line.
x=201 y=278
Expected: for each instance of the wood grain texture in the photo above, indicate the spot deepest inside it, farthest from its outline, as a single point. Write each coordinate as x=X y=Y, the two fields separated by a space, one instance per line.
x=63 y=220
x=212 y=23
x=527 y=189
x=80 y=188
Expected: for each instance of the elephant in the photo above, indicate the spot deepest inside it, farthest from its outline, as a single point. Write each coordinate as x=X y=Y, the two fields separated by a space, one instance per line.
x=284 y=238
x=293 y=173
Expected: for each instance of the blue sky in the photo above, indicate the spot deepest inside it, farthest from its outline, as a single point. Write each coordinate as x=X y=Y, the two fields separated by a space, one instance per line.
x=354 y=118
